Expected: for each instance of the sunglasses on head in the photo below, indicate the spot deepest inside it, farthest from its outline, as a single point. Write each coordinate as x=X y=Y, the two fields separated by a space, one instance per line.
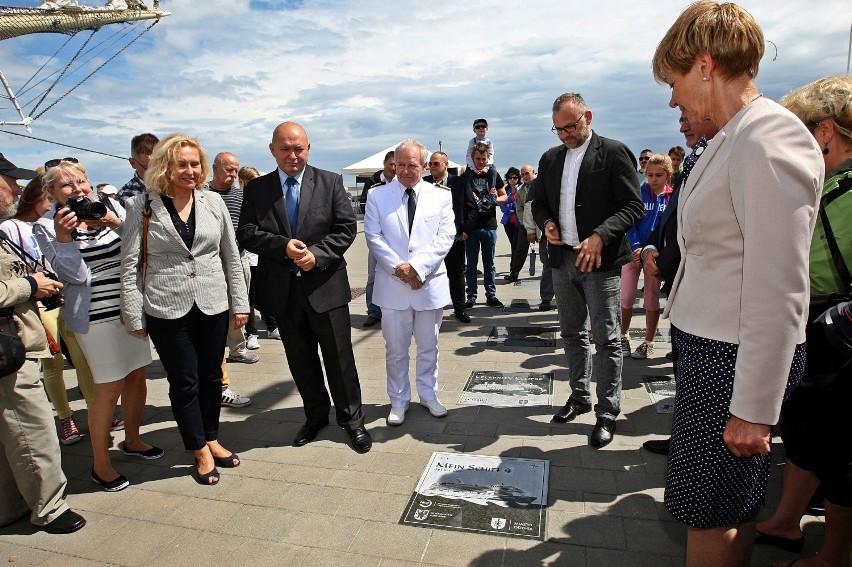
x=54 y=162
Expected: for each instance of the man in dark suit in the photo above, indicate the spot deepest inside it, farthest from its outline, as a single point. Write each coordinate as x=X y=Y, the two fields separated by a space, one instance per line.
x=299 y=222
x=586 y=197
x=661 y=256
x=454 y=261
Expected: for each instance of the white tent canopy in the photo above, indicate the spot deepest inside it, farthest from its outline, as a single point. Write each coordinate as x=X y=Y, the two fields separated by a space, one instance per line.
x=375 y=162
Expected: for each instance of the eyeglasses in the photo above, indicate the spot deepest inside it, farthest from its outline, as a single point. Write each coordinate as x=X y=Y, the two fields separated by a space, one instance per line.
x=515 y=177
x=54 y=162
x=480 y=127
x=567 y=129
x=644 y=158
x=436 y=163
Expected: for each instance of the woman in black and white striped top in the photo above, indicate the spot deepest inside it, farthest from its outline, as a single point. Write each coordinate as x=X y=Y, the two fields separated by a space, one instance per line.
x=86 y=253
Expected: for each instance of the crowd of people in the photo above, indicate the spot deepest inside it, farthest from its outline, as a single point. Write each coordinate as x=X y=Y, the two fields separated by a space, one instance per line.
x=748 y=236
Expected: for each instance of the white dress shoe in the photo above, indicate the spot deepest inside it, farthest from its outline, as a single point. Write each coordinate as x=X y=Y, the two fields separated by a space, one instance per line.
x=397 y=415
x=435 y=407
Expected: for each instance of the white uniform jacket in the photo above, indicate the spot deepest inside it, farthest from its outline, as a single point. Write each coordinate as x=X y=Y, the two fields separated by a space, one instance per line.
x=432 y=234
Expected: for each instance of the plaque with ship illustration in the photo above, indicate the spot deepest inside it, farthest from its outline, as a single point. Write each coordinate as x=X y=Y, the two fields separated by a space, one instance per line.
x=479 y=493
x=507 y=389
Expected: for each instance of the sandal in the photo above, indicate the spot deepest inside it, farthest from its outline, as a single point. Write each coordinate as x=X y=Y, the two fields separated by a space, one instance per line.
x=229 y=462
x=205 y=478
x=787 y=544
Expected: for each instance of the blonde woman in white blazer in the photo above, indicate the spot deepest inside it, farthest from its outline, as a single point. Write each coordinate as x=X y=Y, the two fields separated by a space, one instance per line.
x=411 y=281
x=193 y=278
x=739 y=298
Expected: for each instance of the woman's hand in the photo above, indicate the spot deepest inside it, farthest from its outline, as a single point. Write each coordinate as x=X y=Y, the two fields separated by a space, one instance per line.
x=109 y=220
x=746 y=439
x=240 y=320
x=64 y=222
x=45 y=287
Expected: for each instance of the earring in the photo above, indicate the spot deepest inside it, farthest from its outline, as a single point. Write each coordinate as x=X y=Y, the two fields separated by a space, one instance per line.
x=704 y=78
x=825 y=151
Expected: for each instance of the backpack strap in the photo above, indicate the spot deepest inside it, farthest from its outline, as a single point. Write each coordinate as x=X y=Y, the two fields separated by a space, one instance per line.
x=839 y=262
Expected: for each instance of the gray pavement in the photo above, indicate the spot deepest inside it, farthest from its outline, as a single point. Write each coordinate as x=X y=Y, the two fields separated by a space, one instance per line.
x=325 y=505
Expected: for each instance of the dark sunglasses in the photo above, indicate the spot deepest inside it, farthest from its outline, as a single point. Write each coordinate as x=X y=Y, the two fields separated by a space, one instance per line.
x=644 y=158
x=54 y=162
x=435 y=163
x=515 y=177
x=480 y=126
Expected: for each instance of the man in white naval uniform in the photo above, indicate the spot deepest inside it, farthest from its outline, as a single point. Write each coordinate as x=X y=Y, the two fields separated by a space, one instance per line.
x=410 y=227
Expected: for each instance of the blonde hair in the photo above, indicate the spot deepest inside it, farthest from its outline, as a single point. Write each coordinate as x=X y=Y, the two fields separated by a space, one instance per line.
x=828 y=98
x=165 y=155
x=53 y=173
x=726 y=31
x=247 y=173
x=661 y=160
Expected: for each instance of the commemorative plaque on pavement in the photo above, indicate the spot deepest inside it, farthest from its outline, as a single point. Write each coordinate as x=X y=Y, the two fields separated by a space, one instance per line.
x=478 y=493
x=536 y=336
x=661 y=390
x=507 y=389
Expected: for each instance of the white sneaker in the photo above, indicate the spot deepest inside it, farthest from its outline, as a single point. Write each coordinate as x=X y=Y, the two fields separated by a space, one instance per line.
x=251 y=342
x=435 y=407
x=644 y=350
x=397 y=415
x=232 y=399
x=274 y=334
x=626 y=350
x=244 y=357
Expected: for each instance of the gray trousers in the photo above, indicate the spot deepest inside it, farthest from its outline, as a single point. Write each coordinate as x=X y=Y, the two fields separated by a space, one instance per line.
x=31 y=478
x=236 y=337
x=595 y=295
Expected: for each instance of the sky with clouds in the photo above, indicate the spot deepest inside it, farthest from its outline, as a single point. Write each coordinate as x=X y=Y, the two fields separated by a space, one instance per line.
x=362 y=75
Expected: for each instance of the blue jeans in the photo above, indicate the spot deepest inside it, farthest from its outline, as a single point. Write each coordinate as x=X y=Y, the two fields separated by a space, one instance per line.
x=592 y=295
x=487 y=240
x=373 y=310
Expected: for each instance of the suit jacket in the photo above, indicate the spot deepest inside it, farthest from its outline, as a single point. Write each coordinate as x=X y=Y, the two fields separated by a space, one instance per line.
x=209 y=274
x=432 y=234
x=664 y=239
x=326 y=224
x=745 y=219
x=458 y=200
x=608 y=200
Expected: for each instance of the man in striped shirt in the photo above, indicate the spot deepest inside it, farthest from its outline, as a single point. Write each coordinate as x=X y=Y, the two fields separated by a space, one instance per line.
x=225 y=168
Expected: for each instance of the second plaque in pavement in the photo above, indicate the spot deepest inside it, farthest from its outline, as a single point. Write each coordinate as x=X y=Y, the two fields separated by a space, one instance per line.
x=523 y=336
x=507 y=389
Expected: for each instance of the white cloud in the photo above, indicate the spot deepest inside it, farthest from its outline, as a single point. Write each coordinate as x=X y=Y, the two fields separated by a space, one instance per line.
x=362 y=75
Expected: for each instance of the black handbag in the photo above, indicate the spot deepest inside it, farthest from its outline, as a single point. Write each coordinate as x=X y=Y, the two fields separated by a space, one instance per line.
x=12 y=351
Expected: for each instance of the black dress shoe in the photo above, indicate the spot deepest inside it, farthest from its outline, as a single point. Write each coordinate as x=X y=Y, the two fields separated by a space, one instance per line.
x=658 y=446
x=493 y=302
x=462 y=316
x=602 y=433
x=370 y=321
x=68 y=522
x=361 y=440
x=571 y=410
x=469 y=303
x=511 y=277
x=306 y=434
x=545 y=305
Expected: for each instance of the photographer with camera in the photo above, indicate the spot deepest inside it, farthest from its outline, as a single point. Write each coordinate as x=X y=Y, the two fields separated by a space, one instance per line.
x=31 y=478
x=480 y=223
x=815 y=423
x=82 y=242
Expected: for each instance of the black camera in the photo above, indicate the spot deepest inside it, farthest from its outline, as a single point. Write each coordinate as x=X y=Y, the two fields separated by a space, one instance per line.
x=837 y=322
x=52 y=301
x=486 y=205
x=86 y=209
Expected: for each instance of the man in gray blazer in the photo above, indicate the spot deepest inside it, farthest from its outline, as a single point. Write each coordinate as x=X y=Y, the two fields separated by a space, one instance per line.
x=299 y=221
x=586 y=197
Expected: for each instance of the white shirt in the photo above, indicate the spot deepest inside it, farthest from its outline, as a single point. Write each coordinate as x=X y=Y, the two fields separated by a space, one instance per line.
x=568 y=193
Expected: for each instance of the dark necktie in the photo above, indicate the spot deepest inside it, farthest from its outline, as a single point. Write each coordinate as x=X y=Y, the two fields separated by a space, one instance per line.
x=292 y=200
x=412 y=206
x=690 y=160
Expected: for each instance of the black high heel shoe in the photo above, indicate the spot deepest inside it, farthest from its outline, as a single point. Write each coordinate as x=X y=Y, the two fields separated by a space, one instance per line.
x=229 y=462
x=204 y=479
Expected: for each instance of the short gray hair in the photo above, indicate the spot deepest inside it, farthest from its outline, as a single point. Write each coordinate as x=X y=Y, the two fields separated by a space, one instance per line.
x=424 y=153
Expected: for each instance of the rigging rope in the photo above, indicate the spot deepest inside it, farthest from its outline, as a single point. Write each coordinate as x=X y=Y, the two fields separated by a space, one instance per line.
x=62 y=74
x=143 y=32
x=61 y=144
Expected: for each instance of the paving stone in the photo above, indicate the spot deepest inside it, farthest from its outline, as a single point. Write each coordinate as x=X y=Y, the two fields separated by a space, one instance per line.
x=392 y=541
